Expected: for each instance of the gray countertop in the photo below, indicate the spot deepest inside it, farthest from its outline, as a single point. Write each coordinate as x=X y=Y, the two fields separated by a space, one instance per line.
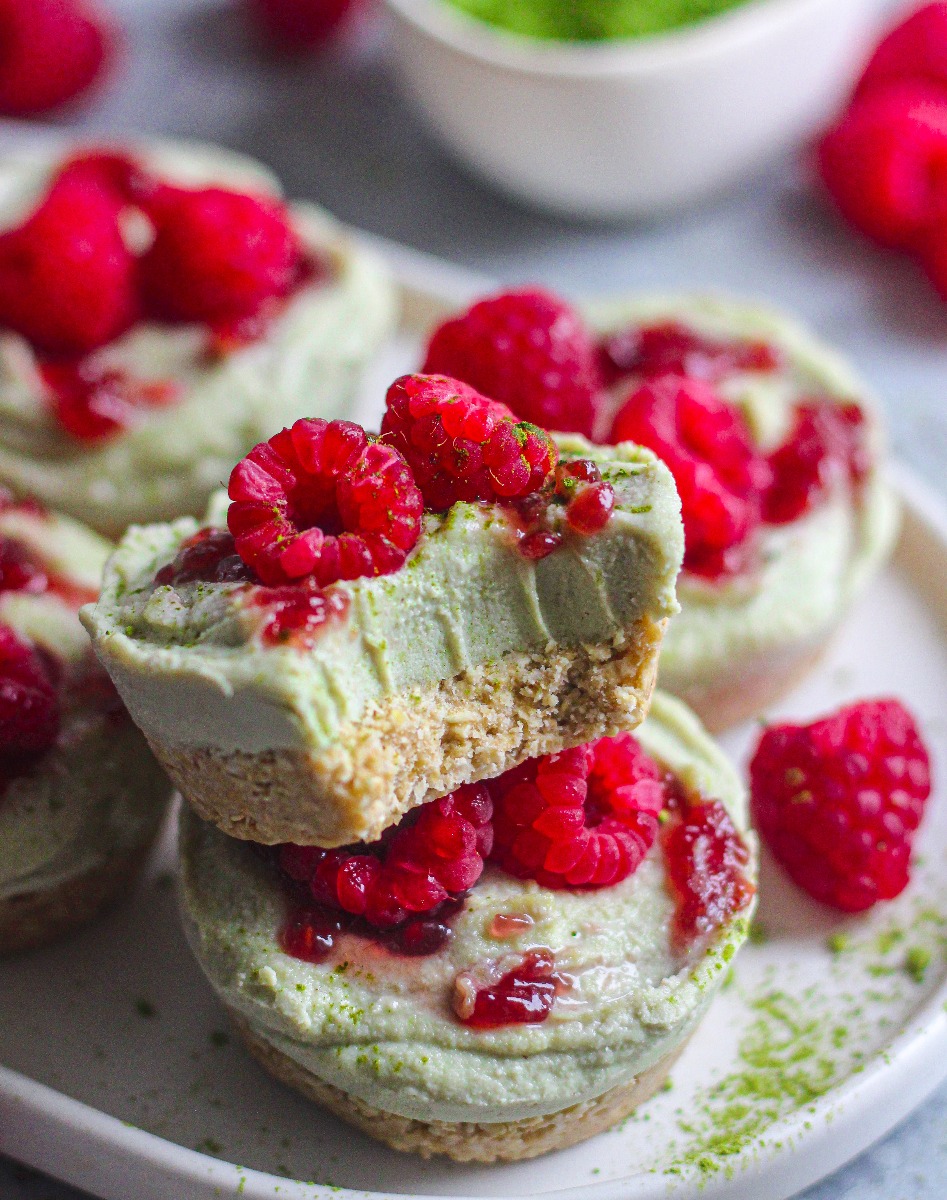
x=337 y=131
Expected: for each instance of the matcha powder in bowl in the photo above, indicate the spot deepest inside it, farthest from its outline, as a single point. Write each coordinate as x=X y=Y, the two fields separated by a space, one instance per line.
x=592 y=20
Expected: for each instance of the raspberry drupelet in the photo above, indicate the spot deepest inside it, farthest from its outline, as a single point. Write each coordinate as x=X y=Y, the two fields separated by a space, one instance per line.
x=838 y=801
x=461 y=445
x=323 y=500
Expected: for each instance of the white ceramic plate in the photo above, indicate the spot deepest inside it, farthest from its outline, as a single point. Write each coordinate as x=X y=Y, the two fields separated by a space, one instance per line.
x=119 y=1075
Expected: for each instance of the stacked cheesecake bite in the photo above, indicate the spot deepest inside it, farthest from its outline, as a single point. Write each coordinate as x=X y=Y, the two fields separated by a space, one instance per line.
x=443 y=877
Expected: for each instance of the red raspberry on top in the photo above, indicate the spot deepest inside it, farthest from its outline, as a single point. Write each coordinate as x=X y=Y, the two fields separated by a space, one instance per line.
x=50 y=52
x=915 y=49
x=462 y=446
x=838 y=801
x=584 y=818
x=436 y=852
x=29 y=705
x=67 y=281
x=719 y=473
x=528 y=349
x=218 y=255
x=885 y=163
x=323 y=499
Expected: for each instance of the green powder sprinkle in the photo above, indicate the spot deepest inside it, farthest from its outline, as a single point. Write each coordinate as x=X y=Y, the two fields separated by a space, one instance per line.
x=145 y=1008
x=916 y=962
x=838 y=943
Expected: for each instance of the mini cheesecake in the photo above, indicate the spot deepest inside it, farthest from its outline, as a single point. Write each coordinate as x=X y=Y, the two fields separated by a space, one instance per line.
x=757 y=613
x=288 y=714
x=129 y=384
x=81 y=796
x=773 y=444
x=543 y=999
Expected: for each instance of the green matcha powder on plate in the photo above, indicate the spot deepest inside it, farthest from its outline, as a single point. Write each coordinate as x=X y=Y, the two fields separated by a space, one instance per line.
x=592 y=20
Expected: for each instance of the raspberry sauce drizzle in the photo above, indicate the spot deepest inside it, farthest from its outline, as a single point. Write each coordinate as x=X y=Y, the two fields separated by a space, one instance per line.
x=672 y=348
x=706 y=861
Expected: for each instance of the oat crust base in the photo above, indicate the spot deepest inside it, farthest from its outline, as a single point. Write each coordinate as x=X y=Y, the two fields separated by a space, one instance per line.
x=464 y=1141
x=35 y=919
x=408 y=749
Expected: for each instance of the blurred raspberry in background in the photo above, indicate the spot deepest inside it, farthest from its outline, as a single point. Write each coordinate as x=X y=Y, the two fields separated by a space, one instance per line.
x=51 y=52
x=884 y=162
x=299 y=26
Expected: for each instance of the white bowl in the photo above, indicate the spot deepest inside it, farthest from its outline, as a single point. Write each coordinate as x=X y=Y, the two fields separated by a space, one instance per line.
x=631 y=128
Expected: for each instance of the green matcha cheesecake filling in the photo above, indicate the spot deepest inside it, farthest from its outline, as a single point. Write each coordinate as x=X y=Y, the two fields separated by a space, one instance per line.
x=170 y=458
x=190 y=664
x=592 y=20
x=381 y=1027
x=96 y=794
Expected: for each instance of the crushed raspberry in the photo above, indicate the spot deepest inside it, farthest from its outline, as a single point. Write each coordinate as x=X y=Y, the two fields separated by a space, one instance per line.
x=434 y=855
x=838 y=802
x=590 y=501
x=462 y=446
x=524 y=995
x=29 y=705
x=706 y=861
x=885 y=163
x=325 y=500
x=208 y=556
x=67 y=281
x=828 y=445
x=915 y=49
x=718 y=471
x=311 y=930
x=528 y=349
x=51 y=51
x=583 y=818
x=217 y=255
x=296 y=614
x=93 y=404
x=670 y=348
x=296 y=26
x=538 y=544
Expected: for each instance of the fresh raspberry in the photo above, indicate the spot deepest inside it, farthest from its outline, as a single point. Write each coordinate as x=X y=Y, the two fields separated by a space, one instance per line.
x=706 y=861
x=582 y=818
x=51 y=51
x=323 y=499
x=435 y=853
x=719 y=473
x=527 y=349
x=296 y=26
x=93 y=404
x=828 y=445
x=670 y=348
x=217 y=255
x=885 y=163
x=838 y=801
x=462 y=446
x=29 y=705
x=915 y=49
x=67 y=281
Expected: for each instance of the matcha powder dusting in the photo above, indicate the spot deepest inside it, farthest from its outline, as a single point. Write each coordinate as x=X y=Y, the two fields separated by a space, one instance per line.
x=592 y=20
